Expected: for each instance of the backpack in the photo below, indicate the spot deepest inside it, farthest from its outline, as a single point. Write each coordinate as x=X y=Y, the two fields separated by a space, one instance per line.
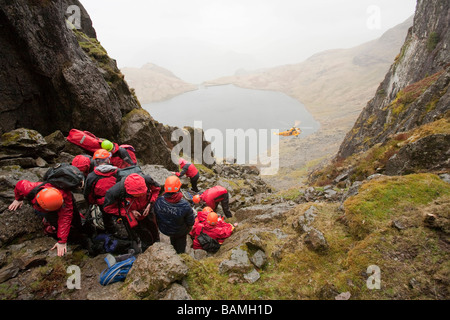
x=85 y=140
x=208 y=244
x=117 y=270
x=64 y=176
x=125 y=172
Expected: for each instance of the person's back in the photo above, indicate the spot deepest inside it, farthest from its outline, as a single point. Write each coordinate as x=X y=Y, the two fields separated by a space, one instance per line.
x=174 y=214
x=98 y=183
x=213 y=196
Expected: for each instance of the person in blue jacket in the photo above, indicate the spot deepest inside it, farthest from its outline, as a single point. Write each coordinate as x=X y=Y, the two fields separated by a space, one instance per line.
x=174 y=215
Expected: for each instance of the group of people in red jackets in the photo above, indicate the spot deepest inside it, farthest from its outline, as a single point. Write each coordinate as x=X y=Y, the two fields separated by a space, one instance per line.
x=135 y=200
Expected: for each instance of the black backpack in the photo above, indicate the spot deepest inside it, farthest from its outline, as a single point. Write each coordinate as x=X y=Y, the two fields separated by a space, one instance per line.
x=64 y=176
x=208 y=244
x=125 y=172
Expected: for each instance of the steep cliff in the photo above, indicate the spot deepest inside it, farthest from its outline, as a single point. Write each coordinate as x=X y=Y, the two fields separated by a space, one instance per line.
x=414 y=91
x=405 y=128
x=53 y=78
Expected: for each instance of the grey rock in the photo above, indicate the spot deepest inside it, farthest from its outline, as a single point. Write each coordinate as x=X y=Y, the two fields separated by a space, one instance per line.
x=176 y=292
x=343 y=296
x=315 y=241
x=238 y=263
x=259 y=259
x=252 y=276
x=155 y=270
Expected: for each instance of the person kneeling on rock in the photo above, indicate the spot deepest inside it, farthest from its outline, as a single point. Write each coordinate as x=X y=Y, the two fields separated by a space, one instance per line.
x=57 y=207
x=212 y=227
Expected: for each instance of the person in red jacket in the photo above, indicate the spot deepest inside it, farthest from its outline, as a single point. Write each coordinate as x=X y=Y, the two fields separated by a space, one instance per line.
x=98 y=182
x=213 y=228
x=123 y=156
x=133 y=198
x=57 y=208
x=190 y=171
x=212 y=197
x=84 y=163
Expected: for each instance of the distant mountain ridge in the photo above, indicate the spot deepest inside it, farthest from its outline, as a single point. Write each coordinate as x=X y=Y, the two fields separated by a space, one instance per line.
x=334 y=82
x=334 y=86
x=153 y=83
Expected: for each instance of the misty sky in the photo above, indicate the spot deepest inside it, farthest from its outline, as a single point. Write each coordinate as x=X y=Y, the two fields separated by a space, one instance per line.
x=200 y=40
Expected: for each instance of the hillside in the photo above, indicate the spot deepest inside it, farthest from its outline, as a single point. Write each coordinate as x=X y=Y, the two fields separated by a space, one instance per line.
x=153 y=83
x=373 y=224
x=334 y=86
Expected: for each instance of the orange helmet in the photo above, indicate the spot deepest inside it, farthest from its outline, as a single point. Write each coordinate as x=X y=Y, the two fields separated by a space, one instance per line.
x=207 y=210
x=196 y=199
x=50 y=199
x=172 y=184
x=101 y=154
x=212 y=218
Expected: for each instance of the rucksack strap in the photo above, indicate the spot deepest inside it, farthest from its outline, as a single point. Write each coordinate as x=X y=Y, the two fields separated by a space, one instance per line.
x=33 y=193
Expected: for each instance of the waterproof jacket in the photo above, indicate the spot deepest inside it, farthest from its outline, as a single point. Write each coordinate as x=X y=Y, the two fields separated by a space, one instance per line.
x=188 y=169
x=85 y=163
x=202 y=216
x=218 y=232
x=213 y=196
x=174 y=214
x=65 y=213
x=117 y=198
x=123 y=156
x=98 y=183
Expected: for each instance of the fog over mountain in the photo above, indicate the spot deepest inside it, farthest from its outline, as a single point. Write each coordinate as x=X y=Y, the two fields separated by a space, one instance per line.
x=201 y=40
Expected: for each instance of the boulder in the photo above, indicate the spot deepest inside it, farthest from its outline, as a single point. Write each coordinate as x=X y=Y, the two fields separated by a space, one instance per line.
x=138 y=129
x=303 y=223
x=157 y=172
x=252 y=276
x=155 y=270
x=263 y=213
x=259 y=259
x=19 y=223
x=429 y=153
x=238 y=263
x=176 y=292
x=315 y=241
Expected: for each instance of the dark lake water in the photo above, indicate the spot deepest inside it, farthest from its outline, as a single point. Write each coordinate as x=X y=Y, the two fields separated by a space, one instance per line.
x=229 y=108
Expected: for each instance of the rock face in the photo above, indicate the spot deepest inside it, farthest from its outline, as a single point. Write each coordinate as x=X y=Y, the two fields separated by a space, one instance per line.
x=414 y=91
x=54 y=78
x=155 y=270
x=431 y=152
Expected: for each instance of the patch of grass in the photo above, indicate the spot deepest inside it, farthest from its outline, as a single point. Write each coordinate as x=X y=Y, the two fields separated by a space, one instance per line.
x=433 y=41
x=381 y=199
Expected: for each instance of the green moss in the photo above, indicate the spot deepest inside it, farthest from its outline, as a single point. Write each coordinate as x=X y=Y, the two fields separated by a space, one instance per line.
x=204 y=170
x=379 y=200
x=99 y=55
x=433 y=41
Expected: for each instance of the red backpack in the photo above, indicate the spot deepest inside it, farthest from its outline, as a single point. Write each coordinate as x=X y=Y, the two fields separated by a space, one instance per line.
x=85 y=140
